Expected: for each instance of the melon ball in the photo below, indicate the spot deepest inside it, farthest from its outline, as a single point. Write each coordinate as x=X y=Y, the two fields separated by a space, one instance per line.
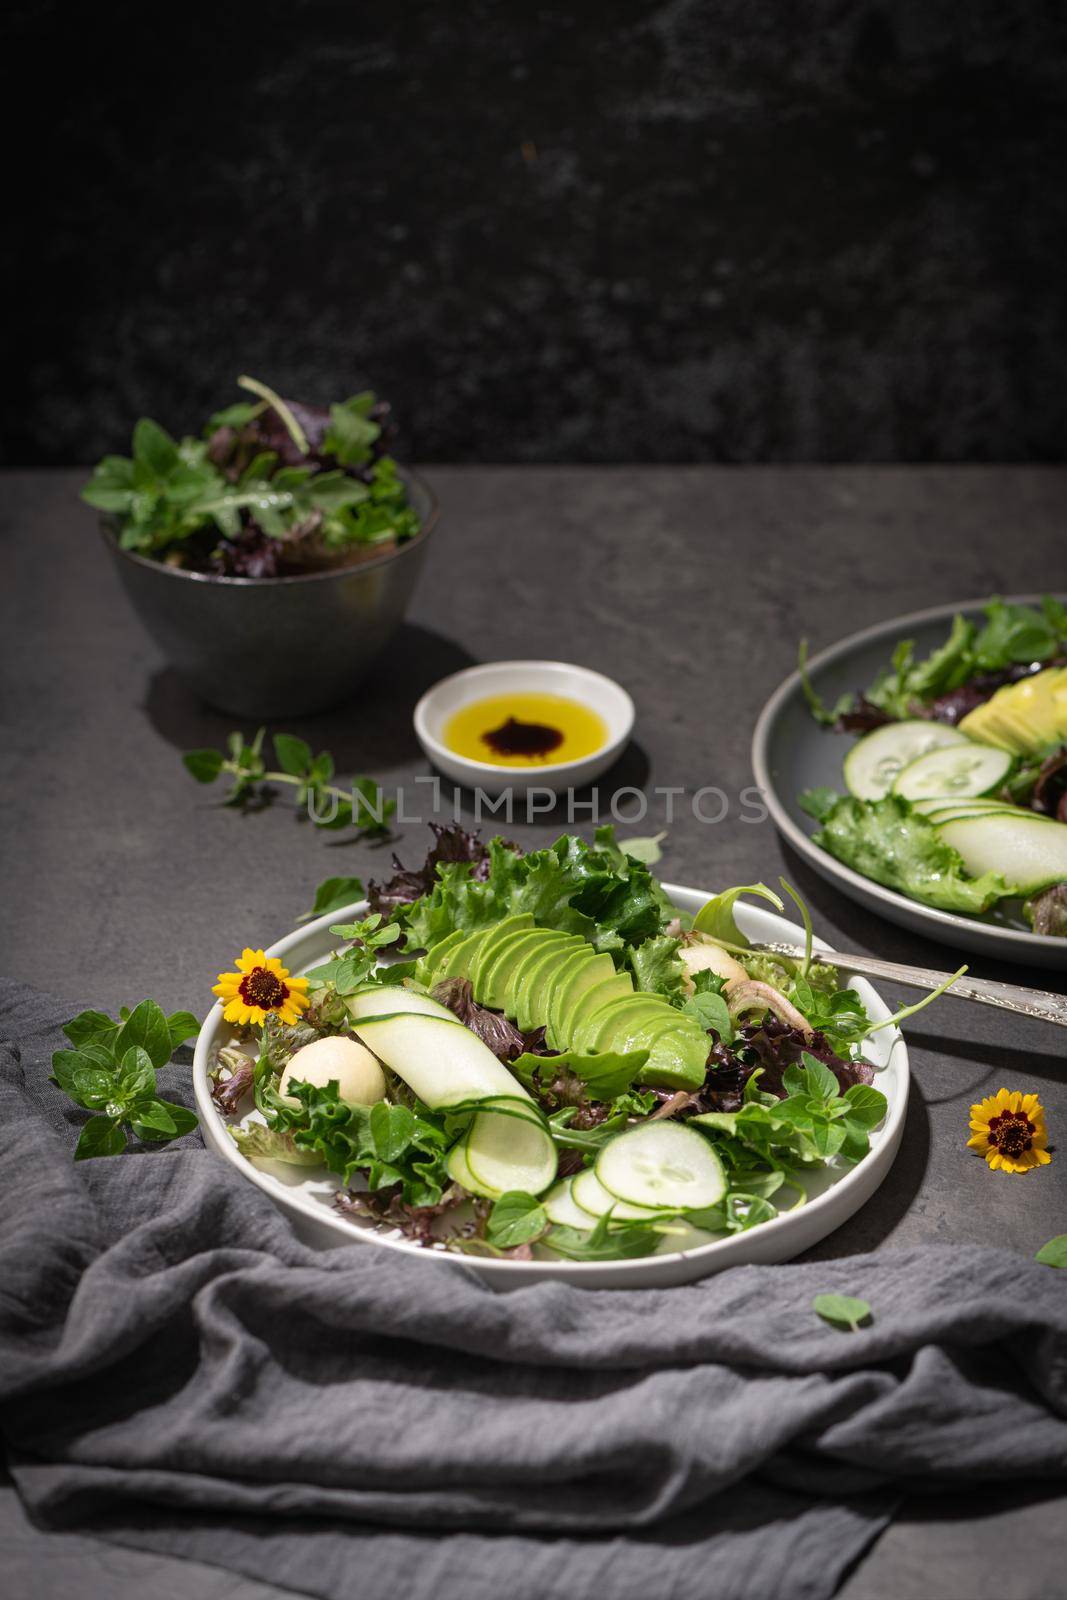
x=357 y=1073
x=703 y=956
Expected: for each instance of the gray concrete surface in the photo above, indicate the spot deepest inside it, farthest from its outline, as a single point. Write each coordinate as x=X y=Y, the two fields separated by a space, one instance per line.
x=123 y=878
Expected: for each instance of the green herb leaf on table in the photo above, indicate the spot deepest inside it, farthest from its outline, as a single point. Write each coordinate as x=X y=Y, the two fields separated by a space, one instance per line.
x=112 y=1070
x=841 y=1310
x=101 y=1136
x=363 y=806
x=1054 y=1253
x=646 y=849
x=204 y=765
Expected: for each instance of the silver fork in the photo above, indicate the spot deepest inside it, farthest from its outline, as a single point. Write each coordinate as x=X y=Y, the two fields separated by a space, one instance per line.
x=1038 y=1003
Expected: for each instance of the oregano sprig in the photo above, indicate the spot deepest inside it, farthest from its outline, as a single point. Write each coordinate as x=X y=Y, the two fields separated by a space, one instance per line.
x=111 y=1071
x=362 y=805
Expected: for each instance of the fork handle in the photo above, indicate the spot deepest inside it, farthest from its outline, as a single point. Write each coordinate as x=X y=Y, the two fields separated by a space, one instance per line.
x=1040 y=1004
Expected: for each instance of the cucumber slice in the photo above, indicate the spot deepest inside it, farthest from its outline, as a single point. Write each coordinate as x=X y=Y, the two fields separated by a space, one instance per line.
x=942 y=806
x=1030 y=852
x=664 y=1165
x=964 y=816
x=562 y=1208
x=590 y=1196
x=393 y=1000
x=505 y=1153
x=422 y=1042
x=872 y=764
x=963 y=772
x=459 y=1172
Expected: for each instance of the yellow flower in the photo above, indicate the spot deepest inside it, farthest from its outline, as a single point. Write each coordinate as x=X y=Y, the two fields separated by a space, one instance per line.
x=259 y=987
x=1009 y=1130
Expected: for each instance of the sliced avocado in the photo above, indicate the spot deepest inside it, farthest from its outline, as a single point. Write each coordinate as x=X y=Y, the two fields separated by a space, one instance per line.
x=1021 y=717
x=678 y=1058
x=984 y=725
x=457 y=962
x=623 y=1019
x=554 y=947
x=429 y=963
x=568 y=980
x=988 y=725
x=1059 y=702
x=616 y=986
x=540 y=979
x=492 y=944
x=1033 y=707
x=495 y=974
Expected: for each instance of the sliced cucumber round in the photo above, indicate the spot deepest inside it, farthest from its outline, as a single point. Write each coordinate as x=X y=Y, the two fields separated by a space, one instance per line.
x=505 y=1153
x=872 y=764
x=459 y=1172
x=662 y=1165
x=959 y=771
x=941 y=805
x=1030 y=852
x=562 y=1208
x=590 y=1195
x=955 y=811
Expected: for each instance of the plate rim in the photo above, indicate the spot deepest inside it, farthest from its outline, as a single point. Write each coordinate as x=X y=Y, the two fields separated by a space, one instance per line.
x=827 y=865
x=588 y=1272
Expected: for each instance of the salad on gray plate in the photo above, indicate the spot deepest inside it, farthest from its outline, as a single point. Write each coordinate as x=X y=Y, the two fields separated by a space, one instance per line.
x=957 y=785
x=535 y=1055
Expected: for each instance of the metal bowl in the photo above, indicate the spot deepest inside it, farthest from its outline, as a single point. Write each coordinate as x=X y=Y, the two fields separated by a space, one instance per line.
x=277 y=647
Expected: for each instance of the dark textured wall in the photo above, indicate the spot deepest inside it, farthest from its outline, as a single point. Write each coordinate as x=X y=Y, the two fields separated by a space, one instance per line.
x=726 y=230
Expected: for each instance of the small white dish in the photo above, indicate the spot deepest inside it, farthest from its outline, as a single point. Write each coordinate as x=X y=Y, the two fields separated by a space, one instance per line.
x=602 y=695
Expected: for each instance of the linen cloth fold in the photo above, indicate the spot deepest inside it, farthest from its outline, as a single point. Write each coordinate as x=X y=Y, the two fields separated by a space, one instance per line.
x=180 y=1373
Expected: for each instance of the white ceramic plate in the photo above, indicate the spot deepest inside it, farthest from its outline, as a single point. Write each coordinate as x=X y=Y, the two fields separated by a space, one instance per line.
x=835 y=1195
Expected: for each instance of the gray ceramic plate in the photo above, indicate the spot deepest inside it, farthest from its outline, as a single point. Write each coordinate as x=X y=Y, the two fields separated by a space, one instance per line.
x=790 y=753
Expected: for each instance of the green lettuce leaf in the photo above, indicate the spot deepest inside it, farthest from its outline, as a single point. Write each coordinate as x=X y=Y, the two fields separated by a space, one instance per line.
x=596 y=891
x=889 y=842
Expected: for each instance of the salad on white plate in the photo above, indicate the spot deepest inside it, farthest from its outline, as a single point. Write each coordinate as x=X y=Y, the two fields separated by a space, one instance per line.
x=536 y=1057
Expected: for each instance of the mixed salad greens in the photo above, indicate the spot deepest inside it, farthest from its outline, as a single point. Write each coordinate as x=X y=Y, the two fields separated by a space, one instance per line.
x=957 y=789
x=270 y=488
x=526 y=1055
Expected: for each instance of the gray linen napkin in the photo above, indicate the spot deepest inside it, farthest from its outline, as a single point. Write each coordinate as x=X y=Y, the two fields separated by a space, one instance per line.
x=178 y=1372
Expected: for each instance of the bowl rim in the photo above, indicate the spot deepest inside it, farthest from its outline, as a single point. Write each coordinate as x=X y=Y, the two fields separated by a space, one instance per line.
x=436 y=749
x=223 y=580
x=589 y=1272
x=829 y=868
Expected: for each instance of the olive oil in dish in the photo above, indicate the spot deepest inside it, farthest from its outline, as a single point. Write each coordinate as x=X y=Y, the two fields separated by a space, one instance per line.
x=525 y=730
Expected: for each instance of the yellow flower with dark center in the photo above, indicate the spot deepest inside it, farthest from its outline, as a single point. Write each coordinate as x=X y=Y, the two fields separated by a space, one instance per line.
x=1009 y=1130
x=261 y=987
